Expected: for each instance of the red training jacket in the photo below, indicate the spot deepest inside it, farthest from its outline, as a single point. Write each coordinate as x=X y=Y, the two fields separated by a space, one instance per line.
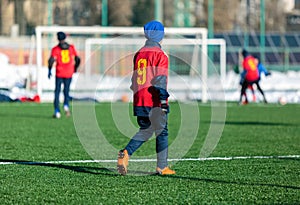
x=149 y=63
x=250 y=66
x=65 y=61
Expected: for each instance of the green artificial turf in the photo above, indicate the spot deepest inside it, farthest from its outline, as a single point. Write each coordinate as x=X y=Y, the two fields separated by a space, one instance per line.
x=35 y=142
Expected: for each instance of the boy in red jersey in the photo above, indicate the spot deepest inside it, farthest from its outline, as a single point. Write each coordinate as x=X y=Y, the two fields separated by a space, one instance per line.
x=67 y=62
x=149 y=85
x=250 y=75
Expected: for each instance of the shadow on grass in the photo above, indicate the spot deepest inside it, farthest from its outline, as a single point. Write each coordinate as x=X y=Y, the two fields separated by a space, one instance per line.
x=113 y=173
x=233 y=182
x=82 y=169
x=251 y=123
x=27 y=115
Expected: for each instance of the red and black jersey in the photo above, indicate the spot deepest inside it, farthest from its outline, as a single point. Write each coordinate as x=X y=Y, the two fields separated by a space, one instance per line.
x=149 y=79
x=250 y=66
x=65 y=60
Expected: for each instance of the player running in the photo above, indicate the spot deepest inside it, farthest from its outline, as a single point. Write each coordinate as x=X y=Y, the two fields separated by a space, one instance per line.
x=67 y=62
x=250 y=75
x=261 y=69
x=149 y=85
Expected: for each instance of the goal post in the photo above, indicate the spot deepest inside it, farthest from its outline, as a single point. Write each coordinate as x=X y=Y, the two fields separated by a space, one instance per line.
x=166 y=42
x=87 y=31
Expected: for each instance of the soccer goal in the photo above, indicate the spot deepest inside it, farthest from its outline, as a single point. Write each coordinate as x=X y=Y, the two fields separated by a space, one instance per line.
x=94 y=48
x=112 y=54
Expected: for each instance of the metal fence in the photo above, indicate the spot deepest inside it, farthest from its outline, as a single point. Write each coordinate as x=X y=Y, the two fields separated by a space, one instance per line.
x=281 y=51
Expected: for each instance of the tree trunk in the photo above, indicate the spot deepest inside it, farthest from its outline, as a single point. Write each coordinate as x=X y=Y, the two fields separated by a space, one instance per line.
x=19 y=16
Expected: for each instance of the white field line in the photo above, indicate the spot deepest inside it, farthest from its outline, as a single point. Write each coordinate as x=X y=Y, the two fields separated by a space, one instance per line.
x=152 y=160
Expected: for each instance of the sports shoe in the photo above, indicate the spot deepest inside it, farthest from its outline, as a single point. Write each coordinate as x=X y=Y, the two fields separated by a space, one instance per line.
x=123 y=159
x=56 y=115
x=67 y=111
x=245 y=102
x=165 y=171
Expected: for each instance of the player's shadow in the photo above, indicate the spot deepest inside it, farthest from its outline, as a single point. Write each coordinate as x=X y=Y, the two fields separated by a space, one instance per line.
x=232 y=182
x=82 y=169
x=227 y=122
x=113 y=173
x=27 y=115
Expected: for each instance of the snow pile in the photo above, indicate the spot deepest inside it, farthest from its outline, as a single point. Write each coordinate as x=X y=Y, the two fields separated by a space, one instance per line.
x=106 y=88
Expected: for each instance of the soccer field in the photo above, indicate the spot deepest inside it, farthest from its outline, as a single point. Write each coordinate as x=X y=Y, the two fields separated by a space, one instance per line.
x=256 y=161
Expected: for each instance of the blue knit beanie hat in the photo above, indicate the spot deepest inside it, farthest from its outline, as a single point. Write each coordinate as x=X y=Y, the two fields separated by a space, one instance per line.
x=154 y=31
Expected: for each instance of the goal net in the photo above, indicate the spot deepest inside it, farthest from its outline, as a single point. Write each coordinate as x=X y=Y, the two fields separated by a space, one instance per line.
x=107 y=54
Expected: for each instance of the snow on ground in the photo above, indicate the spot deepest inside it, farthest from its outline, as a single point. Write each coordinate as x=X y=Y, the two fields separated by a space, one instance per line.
x=106 y=88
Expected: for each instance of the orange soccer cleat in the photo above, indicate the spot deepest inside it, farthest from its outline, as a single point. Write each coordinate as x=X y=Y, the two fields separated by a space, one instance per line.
x=165 y=171
x=123 y=159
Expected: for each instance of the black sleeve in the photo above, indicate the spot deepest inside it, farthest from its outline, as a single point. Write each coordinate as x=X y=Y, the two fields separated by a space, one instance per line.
x=160 y=84
x=77 y=63
x=50 y=62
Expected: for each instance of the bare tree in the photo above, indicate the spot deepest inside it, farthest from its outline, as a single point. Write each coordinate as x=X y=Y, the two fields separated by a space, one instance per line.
x=143 y=12
x=275 y=20
x=229 y=15
x=225 y=14
x=95 y=12
x=119 y=12
x=168 y=10
x=20 y=16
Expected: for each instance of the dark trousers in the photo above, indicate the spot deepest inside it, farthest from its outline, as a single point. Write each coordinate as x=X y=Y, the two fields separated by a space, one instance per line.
x=156 y=124
x=245 y=85
x=66 y=82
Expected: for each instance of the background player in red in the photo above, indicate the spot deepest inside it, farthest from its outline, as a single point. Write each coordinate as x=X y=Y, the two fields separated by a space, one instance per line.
x=250 y=74
x=261 y=69
x=149 y=84
x=67 y=62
